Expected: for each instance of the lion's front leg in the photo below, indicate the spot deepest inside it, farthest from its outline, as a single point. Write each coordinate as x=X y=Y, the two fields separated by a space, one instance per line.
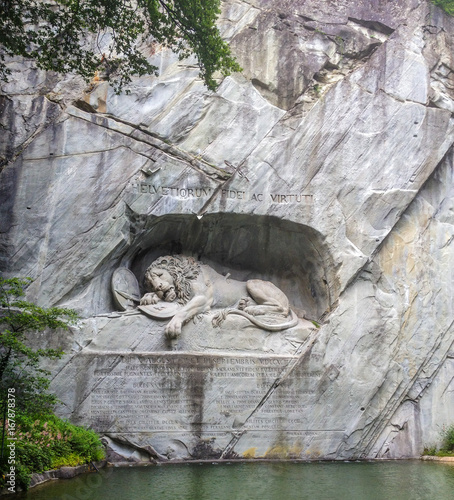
x=196 y=305
x=173 y=328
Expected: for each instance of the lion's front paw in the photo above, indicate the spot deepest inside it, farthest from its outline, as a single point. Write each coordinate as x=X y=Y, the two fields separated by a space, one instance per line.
x=148 y=299
x=173 y=329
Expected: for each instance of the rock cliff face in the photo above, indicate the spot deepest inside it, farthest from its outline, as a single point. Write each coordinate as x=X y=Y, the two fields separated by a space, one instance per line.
x=326 y=167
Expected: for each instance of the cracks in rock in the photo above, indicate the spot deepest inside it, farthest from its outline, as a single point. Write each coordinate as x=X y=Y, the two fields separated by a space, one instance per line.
x=378 y=248
x=372 y=437
x=449 y=383
x=99 y=381
x=402 y=392
x=344 y=61
x=49 y=120
x=136 y=133
x=90 y=153
x=305 y=18
x=277 y=174
x=84 y=106
x=75 y=238
x=4 y=162
x=56 y=373
x=442 y=87
x=407 y=312
x=18 y=251
x=211 y=199
x=304 y=350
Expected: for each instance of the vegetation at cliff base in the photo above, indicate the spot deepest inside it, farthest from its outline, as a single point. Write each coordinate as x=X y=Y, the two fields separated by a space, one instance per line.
x=85 y=36
x=446 y=5
x=447 y=444
x=32 y=438
x=46 y=442
x=20 y=324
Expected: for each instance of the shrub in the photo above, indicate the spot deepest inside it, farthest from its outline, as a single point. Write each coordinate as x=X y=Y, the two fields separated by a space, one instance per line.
x=430 y=450
x=448 y=439
x=447 y=444
x=71 y=460
x=86 y=443
x=23 y=476
x=49 y=442
x=42 y=439
x=446 y=5
x=33 y=456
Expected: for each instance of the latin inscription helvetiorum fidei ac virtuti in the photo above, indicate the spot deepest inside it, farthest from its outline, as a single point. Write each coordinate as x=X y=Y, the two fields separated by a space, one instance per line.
x=186 y=193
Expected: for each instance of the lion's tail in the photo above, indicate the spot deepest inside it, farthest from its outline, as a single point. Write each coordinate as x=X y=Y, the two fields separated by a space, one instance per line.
x=219 y=318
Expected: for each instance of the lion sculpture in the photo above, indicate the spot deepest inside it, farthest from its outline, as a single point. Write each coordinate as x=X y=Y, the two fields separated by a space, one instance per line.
x=197 y=288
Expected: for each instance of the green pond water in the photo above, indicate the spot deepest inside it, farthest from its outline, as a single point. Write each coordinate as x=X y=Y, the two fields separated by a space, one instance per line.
x=412 y=480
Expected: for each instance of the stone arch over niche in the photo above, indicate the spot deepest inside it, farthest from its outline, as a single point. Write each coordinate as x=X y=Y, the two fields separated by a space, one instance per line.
x=291 y=255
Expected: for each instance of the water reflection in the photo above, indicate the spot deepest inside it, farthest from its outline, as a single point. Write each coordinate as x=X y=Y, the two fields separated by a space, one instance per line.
x=412 y=480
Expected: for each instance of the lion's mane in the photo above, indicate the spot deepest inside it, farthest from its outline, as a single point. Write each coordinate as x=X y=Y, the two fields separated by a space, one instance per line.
x=182 y=269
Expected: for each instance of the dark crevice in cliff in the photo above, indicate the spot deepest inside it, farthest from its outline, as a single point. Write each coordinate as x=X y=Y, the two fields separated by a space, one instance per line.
x=305 y=18
x=84 y=106
x=373 y=25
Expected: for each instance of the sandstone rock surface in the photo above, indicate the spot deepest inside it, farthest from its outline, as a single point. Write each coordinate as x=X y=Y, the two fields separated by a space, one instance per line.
x=326 y=167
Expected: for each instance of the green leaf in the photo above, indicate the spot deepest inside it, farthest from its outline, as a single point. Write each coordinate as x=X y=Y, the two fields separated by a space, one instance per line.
x=20 y=367
x=85 y=36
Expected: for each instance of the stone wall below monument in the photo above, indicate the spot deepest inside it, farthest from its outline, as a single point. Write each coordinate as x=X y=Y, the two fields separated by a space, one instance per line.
x=189 y=406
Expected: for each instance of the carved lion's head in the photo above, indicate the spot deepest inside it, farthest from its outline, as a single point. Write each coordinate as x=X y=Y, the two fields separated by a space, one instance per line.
x=182 y=270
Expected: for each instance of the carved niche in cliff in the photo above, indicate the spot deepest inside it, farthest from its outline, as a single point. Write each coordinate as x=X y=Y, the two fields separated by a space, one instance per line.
x=223 y=282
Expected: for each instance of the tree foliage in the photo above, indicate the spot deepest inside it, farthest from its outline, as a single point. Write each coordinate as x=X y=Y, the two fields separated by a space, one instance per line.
x=448 y=439
x=84 y=36
x=19 y=363
x=49 y=442
x=41 y=440
x=446 y=5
